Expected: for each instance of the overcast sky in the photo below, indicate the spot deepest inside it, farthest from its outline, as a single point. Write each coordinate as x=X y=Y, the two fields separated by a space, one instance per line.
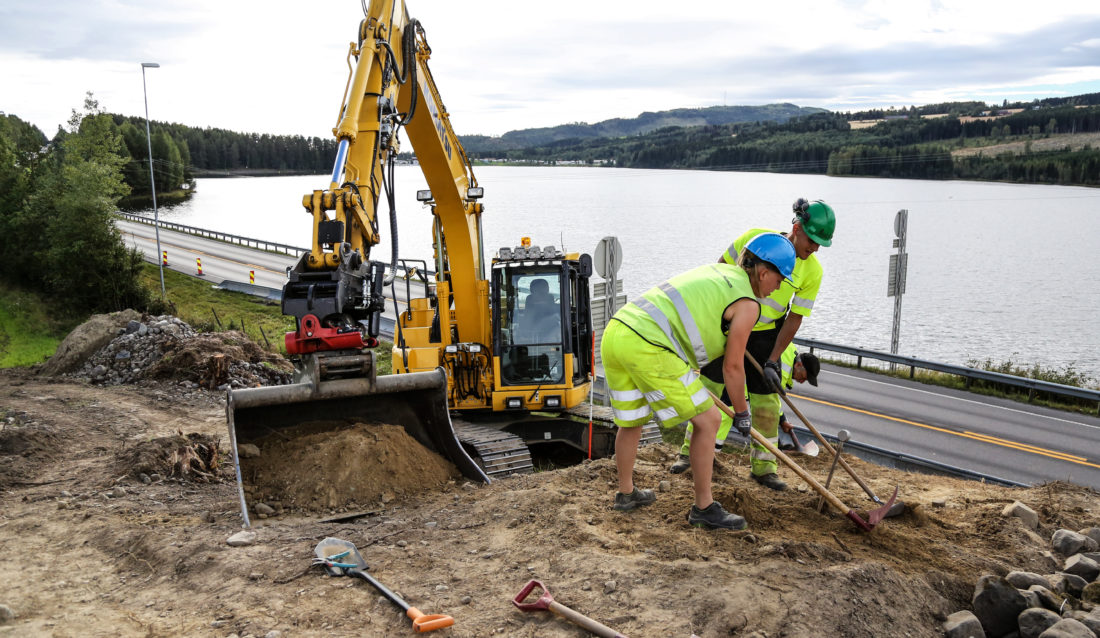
x=279 y=67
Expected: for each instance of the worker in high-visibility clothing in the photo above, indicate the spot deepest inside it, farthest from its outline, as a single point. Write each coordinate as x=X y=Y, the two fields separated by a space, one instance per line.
x=796 y=368
x=781 y=315
x=652 y=347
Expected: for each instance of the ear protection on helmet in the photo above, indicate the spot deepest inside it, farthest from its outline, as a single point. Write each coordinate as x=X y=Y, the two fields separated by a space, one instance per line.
x=800 y=206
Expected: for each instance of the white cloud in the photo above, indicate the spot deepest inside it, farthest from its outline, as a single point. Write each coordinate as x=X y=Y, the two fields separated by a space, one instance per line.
x=278 y=66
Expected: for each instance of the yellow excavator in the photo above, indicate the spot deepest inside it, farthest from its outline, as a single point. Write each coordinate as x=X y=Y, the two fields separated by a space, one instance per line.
x=508 y=344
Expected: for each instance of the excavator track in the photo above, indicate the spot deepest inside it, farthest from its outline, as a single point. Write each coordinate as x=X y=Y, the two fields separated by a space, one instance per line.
x=603 y=414
x=496 y=451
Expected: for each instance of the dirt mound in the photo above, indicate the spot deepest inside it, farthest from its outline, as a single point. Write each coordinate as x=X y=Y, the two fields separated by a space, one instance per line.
x=327 y=466
x=193 y=457
x=152 y=559
x=87 y=339
x=219 y=359
x=166 y=348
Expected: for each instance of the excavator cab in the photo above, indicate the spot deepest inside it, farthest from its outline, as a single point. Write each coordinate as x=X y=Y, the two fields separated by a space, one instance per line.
x=542 y=337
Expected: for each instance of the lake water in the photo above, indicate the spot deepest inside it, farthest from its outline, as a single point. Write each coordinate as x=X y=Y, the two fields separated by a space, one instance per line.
x=996 y=271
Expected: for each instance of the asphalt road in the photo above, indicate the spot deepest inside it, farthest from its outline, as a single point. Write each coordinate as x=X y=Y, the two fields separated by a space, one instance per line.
x=223 y=261
x=995 y=437
x=220 y=261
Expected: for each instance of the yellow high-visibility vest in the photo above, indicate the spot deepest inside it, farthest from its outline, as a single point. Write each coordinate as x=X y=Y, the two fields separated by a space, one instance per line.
x=684 y=313
x=798 y=297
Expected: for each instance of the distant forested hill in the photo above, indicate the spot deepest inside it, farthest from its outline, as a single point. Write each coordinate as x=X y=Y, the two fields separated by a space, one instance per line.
x=940 y=141
x=644 y=123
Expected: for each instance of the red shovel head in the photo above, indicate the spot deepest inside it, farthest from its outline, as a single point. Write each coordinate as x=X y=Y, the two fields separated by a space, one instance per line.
x=877 y=514
x=543 y=602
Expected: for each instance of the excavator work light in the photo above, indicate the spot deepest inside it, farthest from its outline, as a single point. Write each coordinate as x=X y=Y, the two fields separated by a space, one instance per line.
x=475 y=347
x=552 y=402
x=513 y=403
x=451 y=349
x=424 y=196
x=475 y=192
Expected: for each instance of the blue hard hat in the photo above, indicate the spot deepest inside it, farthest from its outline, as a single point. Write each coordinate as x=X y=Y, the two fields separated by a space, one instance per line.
x=775 y=249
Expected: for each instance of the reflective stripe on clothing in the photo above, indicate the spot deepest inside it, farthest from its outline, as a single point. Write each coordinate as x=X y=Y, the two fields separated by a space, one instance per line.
x=797 y=295
x=644 y=380
x=685 y=313
x=765 y=420
x=786 y=361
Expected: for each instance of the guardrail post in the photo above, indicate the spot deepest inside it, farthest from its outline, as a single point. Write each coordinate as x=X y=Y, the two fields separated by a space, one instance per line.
x=859 y=362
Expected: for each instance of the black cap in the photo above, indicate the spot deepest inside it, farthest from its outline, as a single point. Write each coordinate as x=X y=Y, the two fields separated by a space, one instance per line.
x=812 y=365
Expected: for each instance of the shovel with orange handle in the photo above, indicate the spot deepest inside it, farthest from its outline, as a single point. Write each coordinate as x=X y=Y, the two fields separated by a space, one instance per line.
x=340 y=558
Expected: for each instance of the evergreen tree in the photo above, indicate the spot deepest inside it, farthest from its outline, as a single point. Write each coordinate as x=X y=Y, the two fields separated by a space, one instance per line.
x=82 y=259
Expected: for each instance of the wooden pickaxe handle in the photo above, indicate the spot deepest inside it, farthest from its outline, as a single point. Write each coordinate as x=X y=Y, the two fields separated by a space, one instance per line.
x=802 y=474
x=824 y=443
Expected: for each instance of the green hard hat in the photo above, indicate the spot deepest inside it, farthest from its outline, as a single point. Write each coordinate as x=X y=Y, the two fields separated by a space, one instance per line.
x=818 y=221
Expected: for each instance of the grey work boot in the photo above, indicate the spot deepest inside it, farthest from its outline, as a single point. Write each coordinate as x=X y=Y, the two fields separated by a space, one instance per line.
x=637 y=498
x=714 y=516
x=770 y=480
x=682 y=464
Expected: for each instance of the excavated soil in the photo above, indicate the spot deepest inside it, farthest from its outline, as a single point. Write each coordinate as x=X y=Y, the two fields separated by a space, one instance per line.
x=91 y=549
x=323 y=466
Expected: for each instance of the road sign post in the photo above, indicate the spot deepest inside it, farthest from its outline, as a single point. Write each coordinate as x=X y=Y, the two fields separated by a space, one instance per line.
x=895 y=285
x=606 y=261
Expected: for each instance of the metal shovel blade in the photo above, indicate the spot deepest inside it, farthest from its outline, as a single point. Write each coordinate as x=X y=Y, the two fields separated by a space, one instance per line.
x=338 y=555
x=809 y=448
x=877 y=514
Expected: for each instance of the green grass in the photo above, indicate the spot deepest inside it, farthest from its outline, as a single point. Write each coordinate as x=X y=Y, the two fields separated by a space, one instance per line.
x=208 y=309
x=29 y=331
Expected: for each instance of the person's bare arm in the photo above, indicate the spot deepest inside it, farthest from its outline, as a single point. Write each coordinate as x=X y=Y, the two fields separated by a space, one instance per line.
x=742 y=316
x=786 y=334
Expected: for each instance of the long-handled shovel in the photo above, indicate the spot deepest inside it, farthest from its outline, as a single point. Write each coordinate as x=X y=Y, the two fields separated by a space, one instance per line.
x=897 y=509
x=546 y=602
x=809 y=448
x=340 y=558
x=873 y=516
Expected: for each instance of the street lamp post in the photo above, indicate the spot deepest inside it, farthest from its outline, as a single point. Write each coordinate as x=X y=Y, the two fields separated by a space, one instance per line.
x=152 y=184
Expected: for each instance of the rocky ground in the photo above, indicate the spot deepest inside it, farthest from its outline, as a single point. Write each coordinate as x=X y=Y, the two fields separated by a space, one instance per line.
x=117 y=500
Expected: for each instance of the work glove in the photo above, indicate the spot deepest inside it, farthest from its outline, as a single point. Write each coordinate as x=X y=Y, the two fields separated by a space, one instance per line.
x=742 y=421
x=772 y=373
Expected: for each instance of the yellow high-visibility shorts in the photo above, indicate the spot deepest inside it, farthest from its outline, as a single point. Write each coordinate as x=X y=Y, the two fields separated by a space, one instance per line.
x=645 y=380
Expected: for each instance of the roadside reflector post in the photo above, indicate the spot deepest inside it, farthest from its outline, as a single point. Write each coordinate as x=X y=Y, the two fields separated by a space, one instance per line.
x=252 y=276
x=198 y=264
x=164 y=258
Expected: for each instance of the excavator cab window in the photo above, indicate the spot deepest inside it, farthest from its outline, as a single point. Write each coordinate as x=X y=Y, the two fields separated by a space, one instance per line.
x=532 y=339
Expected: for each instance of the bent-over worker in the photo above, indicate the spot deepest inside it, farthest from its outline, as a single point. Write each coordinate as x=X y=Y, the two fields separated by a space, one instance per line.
x=653 y=345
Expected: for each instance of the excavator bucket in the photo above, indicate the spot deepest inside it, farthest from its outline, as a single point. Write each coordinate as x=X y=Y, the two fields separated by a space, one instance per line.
x=417 y=401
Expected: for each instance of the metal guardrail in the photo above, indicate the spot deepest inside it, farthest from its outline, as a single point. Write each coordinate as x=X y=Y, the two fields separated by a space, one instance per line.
x=969 y=374
x=260 y=244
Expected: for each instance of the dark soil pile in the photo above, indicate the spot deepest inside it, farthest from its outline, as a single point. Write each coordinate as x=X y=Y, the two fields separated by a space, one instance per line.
x=327 y=466
x=192 y=457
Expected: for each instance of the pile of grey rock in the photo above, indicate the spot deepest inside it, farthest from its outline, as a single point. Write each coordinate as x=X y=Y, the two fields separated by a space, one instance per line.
x=141 y=344
x=138 y=346
x=1063 y=604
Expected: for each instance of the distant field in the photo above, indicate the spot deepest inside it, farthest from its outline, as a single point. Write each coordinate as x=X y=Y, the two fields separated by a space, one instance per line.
x=1074 y=141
